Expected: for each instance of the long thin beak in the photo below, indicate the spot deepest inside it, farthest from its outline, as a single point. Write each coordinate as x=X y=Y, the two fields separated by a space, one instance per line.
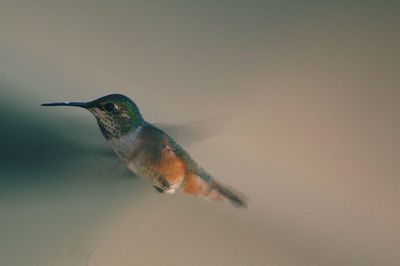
x=78 y=104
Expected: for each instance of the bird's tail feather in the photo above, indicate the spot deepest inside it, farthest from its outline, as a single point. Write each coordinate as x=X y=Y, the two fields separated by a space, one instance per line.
x=234 y=198
x=197 y=186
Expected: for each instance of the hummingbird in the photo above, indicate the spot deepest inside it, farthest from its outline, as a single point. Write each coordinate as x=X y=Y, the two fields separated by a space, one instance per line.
x=150 y=153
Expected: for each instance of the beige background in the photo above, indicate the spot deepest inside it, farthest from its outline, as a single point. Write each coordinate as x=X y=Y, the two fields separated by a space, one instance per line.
x=306 y=99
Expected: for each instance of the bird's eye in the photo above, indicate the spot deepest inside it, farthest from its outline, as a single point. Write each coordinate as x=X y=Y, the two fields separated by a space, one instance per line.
x=110 y=106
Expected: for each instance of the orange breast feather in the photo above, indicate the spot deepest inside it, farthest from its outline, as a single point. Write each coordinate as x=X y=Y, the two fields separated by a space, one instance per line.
x=171 y=167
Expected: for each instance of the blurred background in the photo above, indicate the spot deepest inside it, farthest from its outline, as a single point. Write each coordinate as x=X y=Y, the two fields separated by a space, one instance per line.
x=298 y=101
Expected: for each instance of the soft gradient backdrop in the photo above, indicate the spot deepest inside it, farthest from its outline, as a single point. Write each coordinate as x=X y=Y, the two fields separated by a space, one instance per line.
x=302 y=103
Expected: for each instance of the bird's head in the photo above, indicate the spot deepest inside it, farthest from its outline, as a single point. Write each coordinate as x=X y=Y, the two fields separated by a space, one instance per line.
x=116 y=114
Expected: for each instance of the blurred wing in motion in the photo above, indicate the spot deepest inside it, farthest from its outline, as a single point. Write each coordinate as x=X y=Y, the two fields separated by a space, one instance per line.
x=188 y=133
